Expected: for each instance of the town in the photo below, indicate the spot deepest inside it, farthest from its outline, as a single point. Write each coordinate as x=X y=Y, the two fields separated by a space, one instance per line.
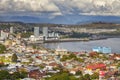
x=20 y=59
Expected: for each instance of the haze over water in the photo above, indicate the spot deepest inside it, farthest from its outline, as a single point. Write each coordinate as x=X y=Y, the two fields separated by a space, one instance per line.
x=114 y=43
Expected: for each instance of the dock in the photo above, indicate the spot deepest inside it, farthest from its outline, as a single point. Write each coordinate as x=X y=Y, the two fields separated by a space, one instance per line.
x=67 y=40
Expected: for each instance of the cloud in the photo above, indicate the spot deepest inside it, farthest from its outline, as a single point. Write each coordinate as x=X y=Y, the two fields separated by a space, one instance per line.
x=89 y=7
x=28 y=7
x=59 y=7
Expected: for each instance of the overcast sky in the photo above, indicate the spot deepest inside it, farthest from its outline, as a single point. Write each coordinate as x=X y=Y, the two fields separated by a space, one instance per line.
x=53 y=8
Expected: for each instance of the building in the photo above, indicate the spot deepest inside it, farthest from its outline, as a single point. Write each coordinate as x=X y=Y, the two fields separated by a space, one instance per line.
x=53 y=35
x=60 y=51
x=100 y=66
x=11 y=30
x=45 y=32
x=4 y=35
x=36 y=74
x=36 y=32
x=102 y=49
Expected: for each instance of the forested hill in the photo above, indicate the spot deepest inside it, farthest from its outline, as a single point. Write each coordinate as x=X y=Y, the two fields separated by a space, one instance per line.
x=21 y=25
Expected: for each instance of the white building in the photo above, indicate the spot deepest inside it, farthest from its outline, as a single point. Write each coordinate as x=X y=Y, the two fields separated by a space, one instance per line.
x=36 y=32
x=4 y=35
x=60 y=51
x=53 y=35
x=45 y=32
x=11 y=30
x=33 y=38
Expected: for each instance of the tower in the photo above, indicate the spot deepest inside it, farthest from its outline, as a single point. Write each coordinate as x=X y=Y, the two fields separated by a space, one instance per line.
x=36 y=32
x=11 y=30
x=45 y=32
x=4 y=35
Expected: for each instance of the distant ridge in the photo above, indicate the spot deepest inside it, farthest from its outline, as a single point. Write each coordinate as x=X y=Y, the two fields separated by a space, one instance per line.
x=67 y=19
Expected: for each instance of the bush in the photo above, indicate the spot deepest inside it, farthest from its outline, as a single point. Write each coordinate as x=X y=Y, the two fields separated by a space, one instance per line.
x=2 y=48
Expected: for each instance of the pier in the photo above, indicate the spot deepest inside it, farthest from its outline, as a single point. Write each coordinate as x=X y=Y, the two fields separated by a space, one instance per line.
x=67 y=40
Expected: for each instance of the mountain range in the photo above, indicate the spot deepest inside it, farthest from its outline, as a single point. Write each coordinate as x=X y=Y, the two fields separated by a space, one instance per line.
x=73 y=19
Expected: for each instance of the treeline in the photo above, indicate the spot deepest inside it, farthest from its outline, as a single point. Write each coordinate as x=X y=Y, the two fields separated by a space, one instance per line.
x=5 y=75
x=79 y=35
x=90 y=25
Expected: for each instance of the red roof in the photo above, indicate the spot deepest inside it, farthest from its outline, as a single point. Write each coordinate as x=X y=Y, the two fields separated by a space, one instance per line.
x=53 y=64
x=36 y=74
x=97 y=66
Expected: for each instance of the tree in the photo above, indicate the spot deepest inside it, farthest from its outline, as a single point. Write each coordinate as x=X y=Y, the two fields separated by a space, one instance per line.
x=95 y=76
x=62 y=76
x=73 y=78
x=14 y=58
x=2 y=48
x=87 y=77
x=15 y=75
x=64 y=58
x=79 y=73
x=72 y=56
x=81 y=78
x=4 y=75
x=23 y=75
x=18 y=75
x=26 y=35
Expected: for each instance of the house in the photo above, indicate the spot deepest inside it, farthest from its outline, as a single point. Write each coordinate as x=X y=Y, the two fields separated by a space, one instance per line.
x=93 y=54
x=36 y=74
x=102 y=49
x=54 y=64
x=115 y=57
x=100 y=66
x=59 y=51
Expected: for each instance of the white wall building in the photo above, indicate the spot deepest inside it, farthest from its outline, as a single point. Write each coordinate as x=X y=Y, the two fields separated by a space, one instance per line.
x=36 y=32
x=11 y=30
x=4 y=35
x=45 y=32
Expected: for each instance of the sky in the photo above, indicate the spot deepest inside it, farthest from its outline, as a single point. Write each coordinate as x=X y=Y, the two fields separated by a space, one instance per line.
x=59 y=11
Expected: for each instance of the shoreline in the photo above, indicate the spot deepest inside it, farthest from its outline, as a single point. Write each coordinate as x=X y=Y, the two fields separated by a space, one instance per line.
x=72 y=40
x=80 y=47
x=79 y=39
x=86 y=46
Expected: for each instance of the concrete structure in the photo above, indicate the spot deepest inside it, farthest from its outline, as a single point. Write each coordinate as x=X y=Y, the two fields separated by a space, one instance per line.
x=36 y=32
x=11 y=30
x=60 y=51
x=102 y=49
x=53 y=35
x=45 y=32
x=4 y=35
x=33 y=38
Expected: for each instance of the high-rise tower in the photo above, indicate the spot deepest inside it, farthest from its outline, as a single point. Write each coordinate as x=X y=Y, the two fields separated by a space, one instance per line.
x=45 y=32
x=11 y=29
x=36 y=32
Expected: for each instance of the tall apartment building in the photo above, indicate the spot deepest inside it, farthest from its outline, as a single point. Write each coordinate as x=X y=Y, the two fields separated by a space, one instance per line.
x=45 y=32
x=11 y=29
x=4 y=35
x=36 y=32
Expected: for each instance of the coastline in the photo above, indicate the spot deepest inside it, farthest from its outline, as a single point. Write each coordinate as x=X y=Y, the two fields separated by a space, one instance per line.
x=86 y=46
x=78 y=39
x=72 y=40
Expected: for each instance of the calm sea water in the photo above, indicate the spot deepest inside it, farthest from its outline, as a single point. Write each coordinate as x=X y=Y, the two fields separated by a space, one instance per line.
x=114 y=43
